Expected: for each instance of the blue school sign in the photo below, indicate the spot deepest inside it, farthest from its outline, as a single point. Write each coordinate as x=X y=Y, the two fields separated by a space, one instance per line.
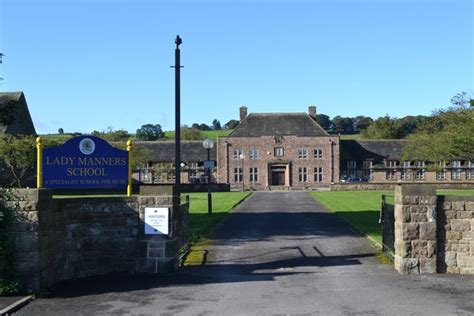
x=85 y=162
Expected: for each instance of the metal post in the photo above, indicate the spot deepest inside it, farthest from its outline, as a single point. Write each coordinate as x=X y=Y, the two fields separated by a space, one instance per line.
x=177 y=134
x=209 y=197
x=129 y=185
x=39 y=163
x=243 y=188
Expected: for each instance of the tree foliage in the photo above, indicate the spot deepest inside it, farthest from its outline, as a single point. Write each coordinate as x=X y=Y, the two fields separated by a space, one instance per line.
x=150 y=132
x=231 y=124
x=216 y=125
x=343 y=125
x=361 y=122
x=383 y=128
x=448 y=134
x=17 y=159
x=324 y=121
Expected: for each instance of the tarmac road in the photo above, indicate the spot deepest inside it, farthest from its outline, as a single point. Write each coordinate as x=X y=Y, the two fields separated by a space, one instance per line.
x=278 y=253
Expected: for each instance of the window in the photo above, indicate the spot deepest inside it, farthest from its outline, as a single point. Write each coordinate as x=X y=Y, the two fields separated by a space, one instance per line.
x=278 y=140
x=302 y=153
x=470 y=170
x=351 y=164
x=193 y=169
x=318 y=174
x=253 y=154
x=391 y=163
x=238 y=176
x=420 y=172
x=367 y=166
x=440 y=170
x=406 y=171
x=318 y=153
x=253 y=174
x=456 y=171
x=278 y=152
x=238 y=153
x=390 y=175
x=303 y=174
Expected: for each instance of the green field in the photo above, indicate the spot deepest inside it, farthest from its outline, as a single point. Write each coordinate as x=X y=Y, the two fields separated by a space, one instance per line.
x=206 y=134
x=201 y=223
x=361 y=208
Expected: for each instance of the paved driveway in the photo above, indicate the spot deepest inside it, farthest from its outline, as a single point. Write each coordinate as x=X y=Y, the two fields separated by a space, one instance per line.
x=278 y=253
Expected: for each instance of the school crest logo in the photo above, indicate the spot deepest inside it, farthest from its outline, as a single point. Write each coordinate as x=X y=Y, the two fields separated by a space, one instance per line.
x=87 y=146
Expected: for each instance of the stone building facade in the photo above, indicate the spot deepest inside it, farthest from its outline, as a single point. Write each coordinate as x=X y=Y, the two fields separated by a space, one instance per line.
x=381 y=161
x=278 y=150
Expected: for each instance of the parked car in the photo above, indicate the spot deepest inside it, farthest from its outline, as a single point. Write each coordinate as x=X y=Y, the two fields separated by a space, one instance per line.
x=346 y=179
x=198 y=180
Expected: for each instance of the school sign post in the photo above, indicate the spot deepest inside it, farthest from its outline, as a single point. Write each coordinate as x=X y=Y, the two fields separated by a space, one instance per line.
x=84 y=162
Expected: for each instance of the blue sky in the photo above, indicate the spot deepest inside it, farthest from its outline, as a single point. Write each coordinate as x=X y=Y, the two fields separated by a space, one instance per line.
x=86 y=65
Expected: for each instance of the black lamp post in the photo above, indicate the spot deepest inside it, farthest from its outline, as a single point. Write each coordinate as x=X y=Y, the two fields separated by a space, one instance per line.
x=208 y=144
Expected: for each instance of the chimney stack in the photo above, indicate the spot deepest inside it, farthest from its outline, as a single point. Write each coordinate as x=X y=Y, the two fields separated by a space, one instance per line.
x=312 y=111
x=243 y=113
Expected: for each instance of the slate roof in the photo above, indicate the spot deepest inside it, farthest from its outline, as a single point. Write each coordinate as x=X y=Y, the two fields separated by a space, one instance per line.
x=378 y=150
x=20 y=121
x=278 y=124
x=164 y=151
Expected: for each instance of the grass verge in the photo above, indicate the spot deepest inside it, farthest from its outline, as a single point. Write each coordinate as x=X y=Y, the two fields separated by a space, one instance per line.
x=361 y=208
x=202 y=224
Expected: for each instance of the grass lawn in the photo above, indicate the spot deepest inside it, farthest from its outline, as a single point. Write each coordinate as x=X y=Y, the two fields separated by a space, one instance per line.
x=361 y=208
x=201 y=223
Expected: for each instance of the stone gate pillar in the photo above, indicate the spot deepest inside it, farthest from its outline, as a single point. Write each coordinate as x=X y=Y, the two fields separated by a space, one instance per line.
x=415 y=229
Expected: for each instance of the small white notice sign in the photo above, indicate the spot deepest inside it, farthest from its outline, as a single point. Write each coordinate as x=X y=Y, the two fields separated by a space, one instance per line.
x=156 y=220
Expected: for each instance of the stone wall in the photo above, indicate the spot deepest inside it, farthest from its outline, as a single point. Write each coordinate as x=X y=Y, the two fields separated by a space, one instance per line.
x=59 y=239
x=456 y=234
x=433 y=233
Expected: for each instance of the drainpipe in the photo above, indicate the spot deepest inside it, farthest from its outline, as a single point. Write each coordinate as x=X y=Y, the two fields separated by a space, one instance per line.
x=331 y=142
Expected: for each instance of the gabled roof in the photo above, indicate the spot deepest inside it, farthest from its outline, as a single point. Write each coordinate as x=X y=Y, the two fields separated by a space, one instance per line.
x=278 y=124
x=378 y=150
x=164 y=151
x=16 y=118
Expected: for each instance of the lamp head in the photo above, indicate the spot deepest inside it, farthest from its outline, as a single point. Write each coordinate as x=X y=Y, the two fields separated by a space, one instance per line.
x=208 y=143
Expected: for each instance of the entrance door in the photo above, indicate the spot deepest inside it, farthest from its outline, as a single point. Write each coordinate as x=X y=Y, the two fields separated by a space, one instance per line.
x=278 y=177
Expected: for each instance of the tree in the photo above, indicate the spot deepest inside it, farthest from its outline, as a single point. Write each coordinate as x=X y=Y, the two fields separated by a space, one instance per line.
x=17 y=159
x=383 y=128
x=140 y=156
x=204 y=127
x=60 y=131
x=231 y=124
x=150 y=132
x=343 y=124
x=324 y=121
x=216 y=125
x=361 y=122
x=409 y=123
x=113 y=136
x=448 y=134
x=191 y=134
